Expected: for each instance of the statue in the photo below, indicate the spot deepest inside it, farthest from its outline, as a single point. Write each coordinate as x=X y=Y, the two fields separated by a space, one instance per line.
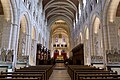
x=9 y=56
x=3 y=54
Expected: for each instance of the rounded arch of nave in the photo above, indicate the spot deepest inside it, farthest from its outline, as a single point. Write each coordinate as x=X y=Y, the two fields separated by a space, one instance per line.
x=27 y=17
x=97 y=36
x=55 y=18
x=86 y=45
x=62 y=14
x=70 y=4
x=92 y=19
x=52 y=20
x=32 y=55
x=111 y=14
x=109 y=20
x=11 y=16
x=64 y=19
x=24 y=23
x=57 y=11
x=65 y=9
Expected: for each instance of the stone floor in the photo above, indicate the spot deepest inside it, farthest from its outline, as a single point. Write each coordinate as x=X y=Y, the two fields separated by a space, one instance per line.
x=60 y=73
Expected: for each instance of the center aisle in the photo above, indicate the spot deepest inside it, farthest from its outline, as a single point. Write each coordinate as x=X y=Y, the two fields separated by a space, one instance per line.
x=60 y=73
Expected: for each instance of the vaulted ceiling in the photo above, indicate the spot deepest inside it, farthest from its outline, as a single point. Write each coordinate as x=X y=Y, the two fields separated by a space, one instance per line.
x=60 y=9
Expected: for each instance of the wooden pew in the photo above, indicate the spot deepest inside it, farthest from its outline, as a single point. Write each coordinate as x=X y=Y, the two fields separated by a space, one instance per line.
x=47 y=69
x=24 y=73
x=100 y=79
x=103 y=76
x=75 y=72
x=34 y=71
x=39 y=76
x=72 y=69
x=93 y=73
x=19 y=79
x=41 y=72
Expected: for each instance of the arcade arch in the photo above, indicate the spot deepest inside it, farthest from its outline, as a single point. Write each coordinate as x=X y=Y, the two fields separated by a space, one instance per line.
x=86 y=46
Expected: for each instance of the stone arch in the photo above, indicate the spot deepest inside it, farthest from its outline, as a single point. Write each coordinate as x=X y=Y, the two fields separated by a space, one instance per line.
x=97 y=45
x=33 y=46
x=54 y=3
x=23 y=38
x=112 y=10
x=27 y=17
x=110 y=22
x=53 y=19
x=6 y=18
x=86 y=46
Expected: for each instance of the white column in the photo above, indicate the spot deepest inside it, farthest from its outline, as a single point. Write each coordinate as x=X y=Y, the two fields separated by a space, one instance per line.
x=14 y=44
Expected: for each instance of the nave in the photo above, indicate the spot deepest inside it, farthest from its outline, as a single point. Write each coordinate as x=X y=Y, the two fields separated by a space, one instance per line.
x=60 y=72
x=37 y=34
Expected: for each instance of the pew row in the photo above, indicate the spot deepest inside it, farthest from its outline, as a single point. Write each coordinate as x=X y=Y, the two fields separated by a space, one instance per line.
x=40 y=72
x=79 y=72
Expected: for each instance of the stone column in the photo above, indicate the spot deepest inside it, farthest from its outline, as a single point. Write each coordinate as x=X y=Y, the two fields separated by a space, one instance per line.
x=14 y=44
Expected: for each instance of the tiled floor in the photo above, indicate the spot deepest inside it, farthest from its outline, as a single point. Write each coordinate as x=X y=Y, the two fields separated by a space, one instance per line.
x=60 y=74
